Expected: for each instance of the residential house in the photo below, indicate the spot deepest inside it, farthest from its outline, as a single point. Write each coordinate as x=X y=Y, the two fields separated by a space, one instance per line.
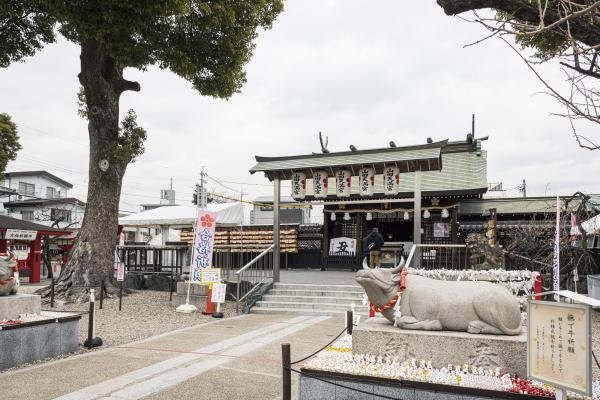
x=41 y=197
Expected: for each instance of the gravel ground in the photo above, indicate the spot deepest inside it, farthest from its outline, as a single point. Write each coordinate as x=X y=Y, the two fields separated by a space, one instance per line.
x=145 y=313
x=596 y=342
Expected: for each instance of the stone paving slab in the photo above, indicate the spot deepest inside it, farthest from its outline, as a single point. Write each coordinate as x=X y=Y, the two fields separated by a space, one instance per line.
x=252 y=372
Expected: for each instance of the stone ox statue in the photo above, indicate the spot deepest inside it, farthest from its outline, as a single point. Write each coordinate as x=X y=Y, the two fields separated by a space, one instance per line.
x=436 y=305
x=8 y=282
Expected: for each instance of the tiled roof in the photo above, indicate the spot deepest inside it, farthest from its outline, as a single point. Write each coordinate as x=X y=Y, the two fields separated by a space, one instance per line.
x=45 y=174
x=13 y=223
x=514 y=205
x=44 y=202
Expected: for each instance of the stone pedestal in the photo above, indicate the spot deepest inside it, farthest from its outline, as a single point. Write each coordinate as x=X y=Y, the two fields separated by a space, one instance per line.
x=377 y=336
x=14 y=305
x=36 y=340
x=197 y=294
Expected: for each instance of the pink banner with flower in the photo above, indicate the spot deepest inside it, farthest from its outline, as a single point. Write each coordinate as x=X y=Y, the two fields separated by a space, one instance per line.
x=203 y=244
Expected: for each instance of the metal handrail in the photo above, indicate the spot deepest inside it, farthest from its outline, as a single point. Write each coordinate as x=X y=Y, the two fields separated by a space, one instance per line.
x=239 y=277
x=255 y=259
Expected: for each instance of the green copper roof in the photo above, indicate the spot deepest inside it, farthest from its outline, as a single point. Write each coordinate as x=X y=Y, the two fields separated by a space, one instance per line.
x=424 y=157
x=462 y=173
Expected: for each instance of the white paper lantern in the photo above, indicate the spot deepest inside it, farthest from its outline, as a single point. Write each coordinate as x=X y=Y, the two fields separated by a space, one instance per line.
x=299 y=185
x=343 y=182
x=366 y=181
x=320 y=183
x=391 y=180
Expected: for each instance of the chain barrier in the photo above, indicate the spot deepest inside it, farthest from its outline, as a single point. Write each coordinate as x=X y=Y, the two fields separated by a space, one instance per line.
x=321 y=349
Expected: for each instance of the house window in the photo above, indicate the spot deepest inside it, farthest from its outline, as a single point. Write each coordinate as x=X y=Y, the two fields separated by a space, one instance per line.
x=50 y=192
x=60 y=215
x=26 y=188
x=27 y=215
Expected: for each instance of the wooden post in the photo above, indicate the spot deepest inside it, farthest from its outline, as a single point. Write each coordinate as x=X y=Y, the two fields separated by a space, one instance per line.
x=52 y=293
x=101 y=295
x=276 y=238
x=170 y=286
x=349 y=322
x=120 y=295
x=286 y=371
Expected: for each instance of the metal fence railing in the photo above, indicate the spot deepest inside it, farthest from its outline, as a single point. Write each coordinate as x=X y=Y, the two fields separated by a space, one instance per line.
x=154 y=259
x=438 y=256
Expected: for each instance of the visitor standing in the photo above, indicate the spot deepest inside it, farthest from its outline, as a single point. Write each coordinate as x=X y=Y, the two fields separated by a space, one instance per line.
x=374 y=244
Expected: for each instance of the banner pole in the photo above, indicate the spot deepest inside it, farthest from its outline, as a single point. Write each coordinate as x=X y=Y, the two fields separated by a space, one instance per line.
x=188 y=308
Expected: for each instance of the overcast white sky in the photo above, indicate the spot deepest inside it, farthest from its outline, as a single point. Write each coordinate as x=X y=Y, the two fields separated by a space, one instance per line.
x=362 y=72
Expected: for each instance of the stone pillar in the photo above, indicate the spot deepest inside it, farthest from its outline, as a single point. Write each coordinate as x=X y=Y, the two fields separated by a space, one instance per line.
x=417 y=216
x=276 y=238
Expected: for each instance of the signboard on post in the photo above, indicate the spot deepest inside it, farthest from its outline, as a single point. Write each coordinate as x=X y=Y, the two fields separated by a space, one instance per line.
x=120 y=272
x=218 y=292
x=119 y=264
x=342 y=245
x=20 y=234
x=210 y=276
x=203 y=244
x=559 y=345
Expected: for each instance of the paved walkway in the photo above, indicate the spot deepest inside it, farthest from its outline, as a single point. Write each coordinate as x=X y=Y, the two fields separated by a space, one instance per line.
x=235 y=358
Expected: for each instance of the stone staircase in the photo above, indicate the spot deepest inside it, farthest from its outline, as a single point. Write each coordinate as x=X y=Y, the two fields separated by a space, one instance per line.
x=311 y=299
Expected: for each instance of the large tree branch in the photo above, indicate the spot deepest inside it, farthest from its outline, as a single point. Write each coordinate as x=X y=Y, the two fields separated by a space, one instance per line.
x=528 y=11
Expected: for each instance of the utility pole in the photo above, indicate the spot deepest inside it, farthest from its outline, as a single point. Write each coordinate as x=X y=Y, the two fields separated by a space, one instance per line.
x=202 y=198
x=523 y=188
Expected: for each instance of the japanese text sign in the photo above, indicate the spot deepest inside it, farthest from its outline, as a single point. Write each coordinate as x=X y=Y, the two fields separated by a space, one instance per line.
x=366 y=181
x=559 y=345
x=320 y=184
x=203 y=244
x=20 y=234
x=298 y=185
x=343 y=182
x=210 y=275
x=391 y=180
x=218 y=293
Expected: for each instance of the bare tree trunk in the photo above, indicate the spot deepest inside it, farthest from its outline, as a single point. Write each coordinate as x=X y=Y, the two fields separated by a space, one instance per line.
x=91 y=261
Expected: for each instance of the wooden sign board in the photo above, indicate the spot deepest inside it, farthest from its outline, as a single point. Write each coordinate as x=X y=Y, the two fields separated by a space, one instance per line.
x=218 y=292
x=20 y=234
x=559 y=345
x=210 y=275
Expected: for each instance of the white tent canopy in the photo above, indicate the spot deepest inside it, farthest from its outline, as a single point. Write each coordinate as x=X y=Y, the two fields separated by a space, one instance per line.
x=592 y=225
x=184 y=216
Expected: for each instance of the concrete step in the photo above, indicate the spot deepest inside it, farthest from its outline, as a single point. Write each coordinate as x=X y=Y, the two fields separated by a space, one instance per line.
x=316 y=293
x=303 y=311
x=312 y=299
x=313 y=306
x=310 y=286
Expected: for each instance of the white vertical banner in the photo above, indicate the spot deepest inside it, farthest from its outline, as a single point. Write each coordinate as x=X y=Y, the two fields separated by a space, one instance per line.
x=343 y=182
x=556 y=256
x=391 y=180
x=298 y=185
x=203 y=244
x=366 y=181
x=320 y=183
